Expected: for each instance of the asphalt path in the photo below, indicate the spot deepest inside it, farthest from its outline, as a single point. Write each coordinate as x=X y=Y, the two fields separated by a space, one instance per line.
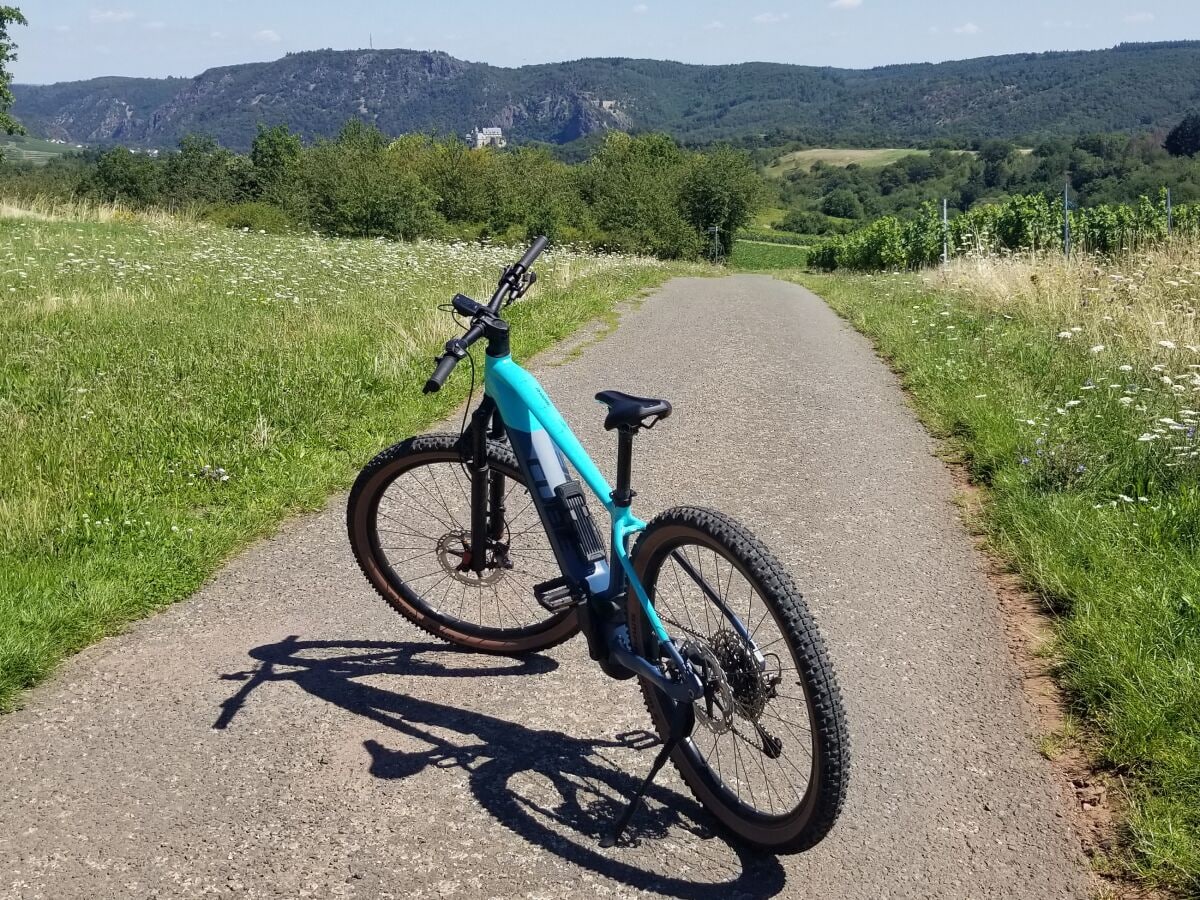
x=284 y=734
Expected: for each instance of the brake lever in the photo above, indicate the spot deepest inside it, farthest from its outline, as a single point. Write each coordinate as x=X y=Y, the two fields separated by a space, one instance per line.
x=524 y=283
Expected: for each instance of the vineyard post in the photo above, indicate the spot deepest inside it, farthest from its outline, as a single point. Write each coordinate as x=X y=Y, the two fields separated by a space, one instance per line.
x=945 y=232
x=1067 y=219
x=715 y=231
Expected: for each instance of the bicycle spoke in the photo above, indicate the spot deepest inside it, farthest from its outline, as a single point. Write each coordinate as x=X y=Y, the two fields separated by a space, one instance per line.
x=702 y=605
x=420 y=519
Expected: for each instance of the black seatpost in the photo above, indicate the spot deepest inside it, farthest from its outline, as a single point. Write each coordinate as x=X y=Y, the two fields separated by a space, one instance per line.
x=623 y=494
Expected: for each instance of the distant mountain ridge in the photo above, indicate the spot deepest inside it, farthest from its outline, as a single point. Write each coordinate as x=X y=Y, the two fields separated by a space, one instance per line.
x=1020 y=96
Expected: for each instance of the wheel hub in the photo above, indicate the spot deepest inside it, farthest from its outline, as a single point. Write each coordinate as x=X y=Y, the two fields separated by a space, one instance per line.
x=715 y=710
x=751 y=687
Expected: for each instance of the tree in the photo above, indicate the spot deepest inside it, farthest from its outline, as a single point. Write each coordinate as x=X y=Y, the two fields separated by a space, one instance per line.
x=633 y=186
x=722 y=190
x=463 y=179
x=996 y=156
x=9 y=15
x=842 y=203
x=357 y=189
x=203 y=172
x=125 y=177
x=1184 y=139
x=275 y=157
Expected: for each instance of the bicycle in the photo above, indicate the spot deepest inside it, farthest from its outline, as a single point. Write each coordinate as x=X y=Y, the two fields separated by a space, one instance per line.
x=516 y=564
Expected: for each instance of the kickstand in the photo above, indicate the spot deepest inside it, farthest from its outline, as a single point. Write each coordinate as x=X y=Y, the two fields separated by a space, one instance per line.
x=683 y=719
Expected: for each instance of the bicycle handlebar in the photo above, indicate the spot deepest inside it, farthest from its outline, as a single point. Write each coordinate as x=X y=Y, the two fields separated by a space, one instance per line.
x=515 y=281
x=445 y=365
x=533 y=252
x=510 y=281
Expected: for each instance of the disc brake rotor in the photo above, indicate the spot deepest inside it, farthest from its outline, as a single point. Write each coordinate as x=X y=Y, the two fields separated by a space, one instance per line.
x=454 y=556
x=715 y=709
x=752 y=688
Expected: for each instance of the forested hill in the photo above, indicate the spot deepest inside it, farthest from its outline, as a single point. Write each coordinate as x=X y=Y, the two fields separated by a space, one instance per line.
x=1021 y=97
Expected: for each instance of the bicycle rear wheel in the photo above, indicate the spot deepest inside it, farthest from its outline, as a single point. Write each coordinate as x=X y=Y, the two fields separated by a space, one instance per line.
x=770 y=750
x=409 y=518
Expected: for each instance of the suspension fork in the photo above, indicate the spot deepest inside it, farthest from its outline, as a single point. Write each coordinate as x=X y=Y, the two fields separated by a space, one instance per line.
x=496 y=509
x=483 y=485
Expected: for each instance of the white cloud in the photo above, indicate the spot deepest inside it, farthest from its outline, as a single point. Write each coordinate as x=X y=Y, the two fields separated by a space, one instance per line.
x=1139 y=18
x=156 y=25
x=268 y=36
x=106 y=16
x=969 y=28
x=714 y=25
x=641 y=9
x=846 y=4
x=770 y=18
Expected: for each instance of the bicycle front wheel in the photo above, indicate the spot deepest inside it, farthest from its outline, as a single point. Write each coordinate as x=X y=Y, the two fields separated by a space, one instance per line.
x=409 y=519
x=769 y=753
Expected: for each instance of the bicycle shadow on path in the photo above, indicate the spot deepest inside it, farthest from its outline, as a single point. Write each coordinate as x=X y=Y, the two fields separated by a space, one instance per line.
x=585 y=792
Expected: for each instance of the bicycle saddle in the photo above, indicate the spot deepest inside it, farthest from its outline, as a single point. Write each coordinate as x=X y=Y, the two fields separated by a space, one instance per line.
x=629 y=412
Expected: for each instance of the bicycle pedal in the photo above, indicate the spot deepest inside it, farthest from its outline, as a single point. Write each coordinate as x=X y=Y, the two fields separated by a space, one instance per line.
x=558 y=594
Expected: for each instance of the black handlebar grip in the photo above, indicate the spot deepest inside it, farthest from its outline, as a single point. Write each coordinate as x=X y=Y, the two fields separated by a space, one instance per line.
x=445 y=365
x=534 y=252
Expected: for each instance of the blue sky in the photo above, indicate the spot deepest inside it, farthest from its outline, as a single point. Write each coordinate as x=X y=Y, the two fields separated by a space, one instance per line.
x=69 y=39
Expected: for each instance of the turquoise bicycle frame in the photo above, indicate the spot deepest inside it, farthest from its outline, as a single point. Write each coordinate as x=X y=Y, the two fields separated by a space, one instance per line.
x=538 y=431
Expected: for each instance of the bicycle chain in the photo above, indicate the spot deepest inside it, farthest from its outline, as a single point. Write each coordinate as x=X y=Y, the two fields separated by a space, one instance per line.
x=756 y=744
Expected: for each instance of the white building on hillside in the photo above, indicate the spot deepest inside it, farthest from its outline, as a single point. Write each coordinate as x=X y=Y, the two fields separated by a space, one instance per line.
x=487 y=137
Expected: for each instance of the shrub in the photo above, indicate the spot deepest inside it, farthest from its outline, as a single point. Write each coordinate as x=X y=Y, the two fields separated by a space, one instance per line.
x=842 y=203
x=254 y=215
x=1022 y=223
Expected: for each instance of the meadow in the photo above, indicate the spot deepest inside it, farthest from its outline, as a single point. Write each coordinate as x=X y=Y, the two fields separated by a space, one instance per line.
x=1071 y=391
x=169 y=391
x=22 y=148
x=838 y=156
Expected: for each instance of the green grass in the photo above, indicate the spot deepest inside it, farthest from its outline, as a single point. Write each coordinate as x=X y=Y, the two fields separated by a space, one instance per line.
x=22 y=148
x=768 y=217
x=1094 y=496
x=169 y=392
x=756 y=256
x=873 y=158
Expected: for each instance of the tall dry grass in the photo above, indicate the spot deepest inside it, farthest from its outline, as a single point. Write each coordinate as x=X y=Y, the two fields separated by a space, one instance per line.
x=53 y=209
x=1133 y=303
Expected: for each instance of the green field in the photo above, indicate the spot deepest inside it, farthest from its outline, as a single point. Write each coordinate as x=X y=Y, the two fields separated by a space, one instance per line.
x=1072 y=391
x=844 y=156
x=757 y=256
x=169 y=391
x=22 y=148
x=768 y=216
